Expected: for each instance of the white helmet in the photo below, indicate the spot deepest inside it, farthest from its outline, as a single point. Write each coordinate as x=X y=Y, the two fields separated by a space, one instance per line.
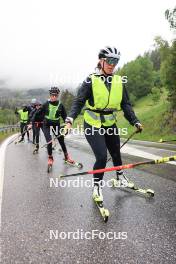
x=33 y=101
x=109 y=52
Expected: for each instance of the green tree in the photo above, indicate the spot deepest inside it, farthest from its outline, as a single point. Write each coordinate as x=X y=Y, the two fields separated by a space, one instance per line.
x=67 y=99
x=157 y=79
x=168 y=72
x=155 y=58
x=140 y=76
x=132 y=99
x=163 y=47
x=156 y=94
x=168 y=65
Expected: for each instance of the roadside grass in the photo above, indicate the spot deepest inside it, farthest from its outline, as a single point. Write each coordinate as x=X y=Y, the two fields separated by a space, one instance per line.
x=3 y=136
x=152 y=115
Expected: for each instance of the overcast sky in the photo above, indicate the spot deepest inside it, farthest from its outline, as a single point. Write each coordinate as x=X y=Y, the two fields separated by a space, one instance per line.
x=48 y=42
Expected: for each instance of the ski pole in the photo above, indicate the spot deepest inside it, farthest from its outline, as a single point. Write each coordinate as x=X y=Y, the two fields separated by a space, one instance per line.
x=122 y=167
x=14 y=139
x=19 y=136
x=52 y=141
x=24 y=132
x=135 y=132
x=163 y=141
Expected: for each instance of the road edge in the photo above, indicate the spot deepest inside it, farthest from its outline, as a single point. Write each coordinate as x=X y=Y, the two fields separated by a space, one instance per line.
x=3 y=147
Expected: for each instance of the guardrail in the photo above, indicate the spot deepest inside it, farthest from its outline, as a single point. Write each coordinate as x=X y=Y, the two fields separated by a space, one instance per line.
x=9 y=129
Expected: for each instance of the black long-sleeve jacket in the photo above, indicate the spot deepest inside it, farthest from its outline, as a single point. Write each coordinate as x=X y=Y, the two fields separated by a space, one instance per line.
x=36 y=115
x=40 y=114
x=85 y=93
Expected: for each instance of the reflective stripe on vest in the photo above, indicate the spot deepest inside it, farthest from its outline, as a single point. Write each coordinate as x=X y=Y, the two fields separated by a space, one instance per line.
x=97 y=117
x=52 y=112
x=104 y=100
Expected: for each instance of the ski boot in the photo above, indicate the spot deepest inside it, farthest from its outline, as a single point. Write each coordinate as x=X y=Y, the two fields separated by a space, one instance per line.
x=98 y=199
x=122 y=181
x=20 y=141
x=97 y=194
x=71 y=162
x=50 y=163
x=35 y=151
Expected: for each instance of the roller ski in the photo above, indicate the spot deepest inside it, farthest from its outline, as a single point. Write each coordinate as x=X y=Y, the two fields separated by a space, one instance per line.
x=50 y=164
x=98 y=199
x=36 y=149
x=19 y=141
x=71 y=162
x=123 y=182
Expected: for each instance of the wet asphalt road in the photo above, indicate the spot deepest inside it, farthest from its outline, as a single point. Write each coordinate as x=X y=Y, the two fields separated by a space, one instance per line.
x=31 y=209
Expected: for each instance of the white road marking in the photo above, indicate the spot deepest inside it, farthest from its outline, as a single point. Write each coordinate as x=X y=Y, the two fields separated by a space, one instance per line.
x=2 y=165
x=140 y=153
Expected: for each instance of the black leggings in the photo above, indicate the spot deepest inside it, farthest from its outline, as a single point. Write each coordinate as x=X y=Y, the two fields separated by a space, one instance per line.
x=48 y=137
x=34 y=133
x=23 y=128
x=100 y=144
x=37 y=133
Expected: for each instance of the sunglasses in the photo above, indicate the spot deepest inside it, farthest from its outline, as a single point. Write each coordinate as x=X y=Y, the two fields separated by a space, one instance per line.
x=112 y=61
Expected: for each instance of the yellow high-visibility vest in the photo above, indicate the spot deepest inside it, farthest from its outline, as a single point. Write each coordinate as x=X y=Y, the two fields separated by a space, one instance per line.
x=104 y=100
x=23 y=116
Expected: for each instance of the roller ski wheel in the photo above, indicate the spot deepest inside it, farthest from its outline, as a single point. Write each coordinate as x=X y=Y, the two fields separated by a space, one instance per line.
x=50 y=164
x=146 y=192
x=35 y=151
x=150 y=192
x=79 y=165
x=103 y=211
x=132 y=186
x=71 y=162
x=74 y=164
x=49 y=169
x=98 y=199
